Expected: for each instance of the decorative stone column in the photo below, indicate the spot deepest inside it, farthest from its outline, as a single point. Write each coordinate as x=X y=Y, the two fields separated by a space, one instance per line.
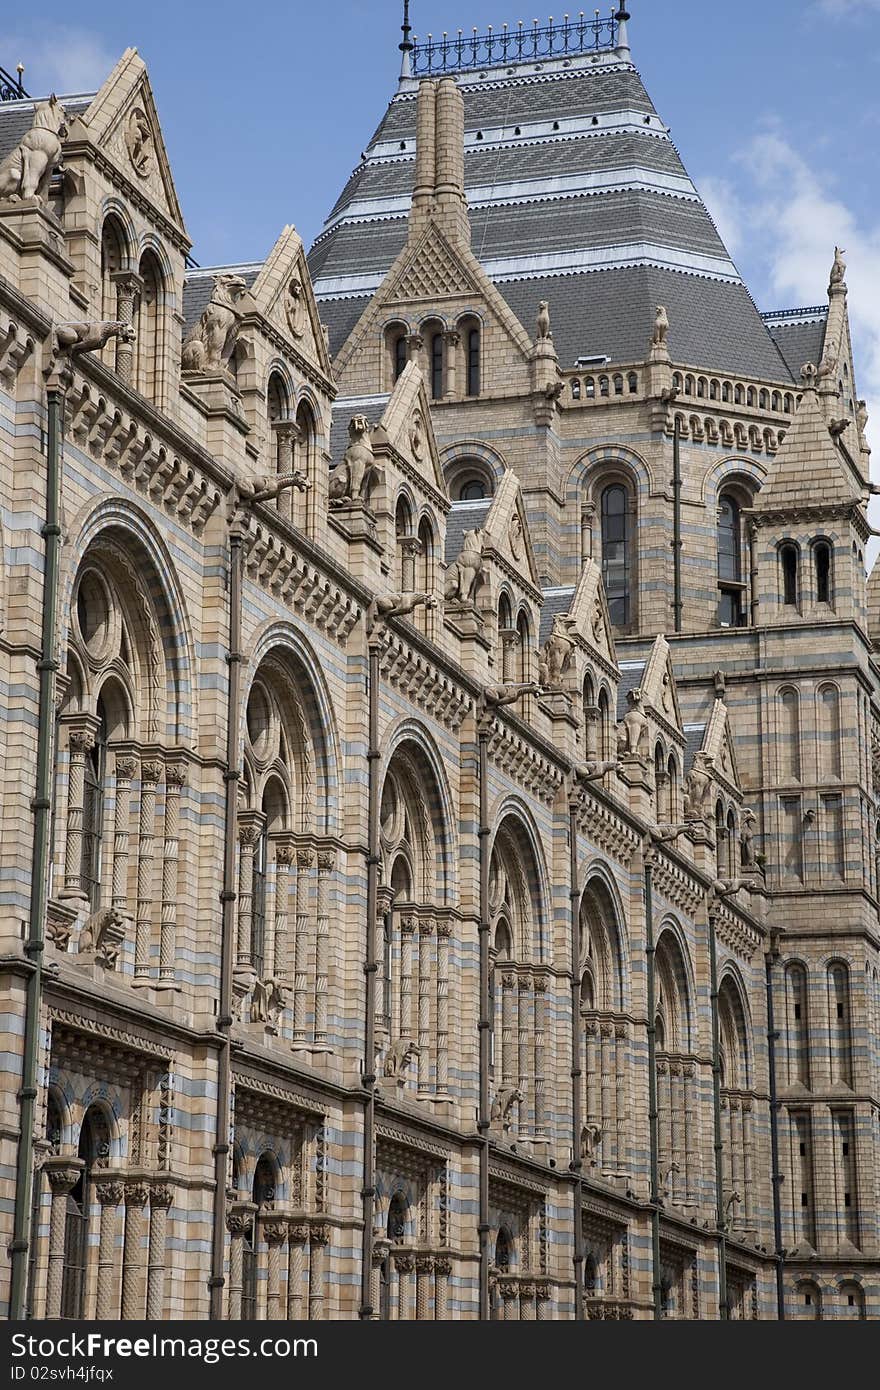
x=410 y=550
x=592 y=724
x=238 y=1223
x=509 y=1291
x=415 y=342
x=160 y=1201
x=677 y=1088
x=544 y=1301
x=275 y=1233
x=527 y=1302
x=109 y=1195
x=609 y=1133
x=136 y=1194
x=426 y=931
x=591 y=1073
x=524 y=985
x=305 y=858
x=326 y=865
x=63 y=1175
x=691 y=1134
x=381 y=1250
x=282 y=962
x=287 y=433
x=509 y=637
x=407 y=1017
x=80 y=741
x=588 y=514
x=424 y=1284
x=125 y=766
x=151 y=771
x=175 y=777
x=508 y=1029
x=540 y=1026
x=250 y=828
x=384 y=904
x=442 y=1271
x=319 y=1239
x=664 y=1101
x=748 y=1167
x=128 y=287
x=452 y=341
x=444 y=935
x=297 y=1239
x=404 y=1263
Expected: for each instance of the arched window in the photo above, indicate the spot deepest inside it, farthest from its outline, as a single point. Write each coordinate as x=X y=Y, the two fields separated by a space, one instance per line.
x=114 y=259
x=395 y=1227
x=94 y=1149
x=789 y=562
x=473 y=361
x=576 y=389
x=425 y=561
x=852 y=1301
x=523 y=628
x=437 y=365
x=400 y=355
x=808 y=1301
x=604 y=1044
x=618 y=384
x=280 y=432
x=822 y=568
x=603 y=386
x=503 y=1251
x=93 y=811
x=839 y=1025
x=403 y=532
x=590 y=388
x=616 y=546
x=472 y=490
x=730 y=585
x=790 y=735
x=672 y=790
x=633 y=382
x=797 y=1025
x=605 y=729
x=149 y=322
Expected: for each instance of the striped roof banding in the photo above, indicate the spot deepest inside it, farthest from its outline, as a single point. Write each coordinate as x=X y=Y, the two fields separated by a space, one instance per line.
x=576 y=194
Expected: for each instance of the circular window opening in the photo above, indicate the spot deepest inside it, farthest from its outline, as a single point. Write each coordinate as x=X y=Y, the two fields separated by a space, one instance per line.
x=258 y=720
x=474 y=490
x=93 y=613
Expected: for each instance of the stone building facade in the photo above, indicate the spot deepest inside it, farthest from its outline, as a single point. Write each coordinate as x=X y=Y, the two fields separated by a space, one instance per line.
x=440 y=758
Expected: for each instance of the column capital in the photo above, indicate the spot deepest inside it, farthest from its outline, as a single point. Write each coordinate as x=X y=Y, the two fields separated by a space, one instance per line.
x=305 y=858
x=63 y=1173
x=408 y=924
x=319 y=1235
x=424 y=1264
x=161 y=1196
x=298 y=1233
x=124 y=767
x=127 y=281
x=175 y=774
x=275 y=1232
x=136 y=1193
x=443 y=1265
x=285 y=851
x=326 y=861
x=404 y=1261
x=109 y=1194
x=250 y=827
x=151 y=770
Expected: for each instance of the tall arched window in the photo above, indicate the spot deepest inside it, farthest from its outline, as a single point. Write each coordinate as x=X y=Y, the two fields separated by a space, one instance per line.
x=730 y=585
x=829 y=731
x=93 y=812
x=114 y=259
x=790 y=735
x=797 y=1025
x=148 y=327
x=473 y=361
x=437 y=365
x=676 y=1080
x=400 y=355
x=839 y=1039
x=822 y=569
x=616 y=545
x=605 y=1099
x=789 y=563
x=94 y=1148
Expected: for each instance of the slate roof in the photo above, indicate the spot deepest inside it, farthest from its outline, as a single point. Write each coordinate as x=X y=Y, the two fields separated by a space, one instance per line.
x=694 y=735
x=463 y=516
x=605 y=195
x=631 y=673
x=799 y=340
x=556 y=602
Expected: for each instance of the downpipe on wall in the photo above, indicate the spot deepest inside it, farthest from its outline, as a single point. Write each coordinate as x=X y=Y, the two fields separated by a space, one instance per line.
x=41 y=805
x=653 y=1116
x=771 y=959
x=368 y=1078
x=576 y=1073
x=485 y=1021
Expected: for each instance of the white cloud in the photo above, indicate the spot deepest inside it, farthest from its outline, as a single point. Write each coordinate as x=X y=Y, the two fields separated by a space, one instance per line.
x=845 y=7
x=726 y=209
x=58 y=58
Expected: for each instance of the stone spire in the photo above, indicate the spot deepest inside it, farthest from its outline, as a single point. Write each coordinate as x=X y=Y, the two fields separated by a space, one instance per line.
x=622 y=17
x=809 y=471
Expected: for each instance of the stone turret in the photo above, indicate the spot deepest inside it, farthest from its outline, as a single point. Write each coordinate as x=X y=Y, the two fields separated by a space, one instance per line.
x=438 y=191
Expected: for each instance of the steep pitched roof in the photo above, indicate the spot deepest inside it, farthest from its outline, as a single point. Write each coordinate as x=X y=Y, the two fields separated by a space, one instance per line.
x=809 y=470
x=576 y=195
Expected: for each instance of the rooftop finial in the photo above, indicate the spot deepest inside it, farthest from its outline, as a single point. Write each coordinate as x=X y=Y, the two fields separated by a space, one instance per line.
x=406 y=46
x=622 y=34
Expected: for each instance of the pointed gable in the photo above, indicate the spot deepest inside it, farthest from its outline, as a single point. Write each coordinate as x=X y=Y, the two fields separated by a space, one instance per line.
x=507 y=530
x=809 y=470
x=718 y=745
x=283 y=294
x=589 y=613
x=122 y=122
x=658 y=686
x=409 y=429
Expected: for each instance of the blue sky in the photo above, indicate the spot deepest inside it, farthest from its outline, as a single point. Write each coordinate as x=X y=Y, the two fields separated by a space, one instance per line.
x=774 y=105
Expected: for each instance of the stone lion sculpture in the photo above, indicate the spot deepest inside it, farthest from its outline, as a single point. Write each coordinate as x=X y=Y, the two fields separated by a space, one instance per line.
x=557 y=653
x=465 y=573
x=661 y=327
x=352 y=479
x=26 y=170
x=210 y=343
x=398 y=1058
x=503 y=1104
x=633 y=727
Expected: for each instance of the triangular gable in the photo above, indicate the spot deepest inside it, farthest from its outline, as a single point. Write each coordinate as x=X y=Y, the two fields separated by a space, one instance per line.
x=430 y=269
x=658 y=684
x=507 y=529
x=123 y=123
x=408 y=426
x=284 y=296
x=589 y=613
x=718 y=745
x=809 y=470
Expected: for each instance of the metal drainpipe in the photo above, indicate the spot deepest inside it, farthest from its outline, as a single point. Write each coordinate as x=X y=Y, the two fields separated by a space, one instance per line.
x=41 y=806
x=753 y=572
x=770 y=960
x=718 y=1144
x=653 y=1120
x=576 y=1117
x=368 y=1191
x=485 y=1022
x=228 y=898
x=677 y=604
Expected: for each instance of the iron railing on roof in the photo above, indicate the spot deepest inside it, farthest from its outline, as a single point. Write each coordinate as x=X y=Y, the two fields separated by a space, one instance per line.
x=11 y=88
x=524 y=44
x=812 y=311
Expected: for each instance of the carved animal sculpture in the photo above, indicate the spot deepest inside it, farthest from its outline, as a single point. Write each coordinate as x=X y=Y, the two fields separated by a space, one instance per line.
x=211 y=342
x=396 y=606
x=557 y=654
x=104 y=933
x=543 y=325
x=466 y=572
x=494 y=696
x=398 y=1058
x=76 y=338
x=352 y=479
x=26 y=170
x=661 y=327
x=503 y=1104
x=838 y=270
x=631 y=732
x=748 y=852
x=696 y=788
x=591 y=1138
